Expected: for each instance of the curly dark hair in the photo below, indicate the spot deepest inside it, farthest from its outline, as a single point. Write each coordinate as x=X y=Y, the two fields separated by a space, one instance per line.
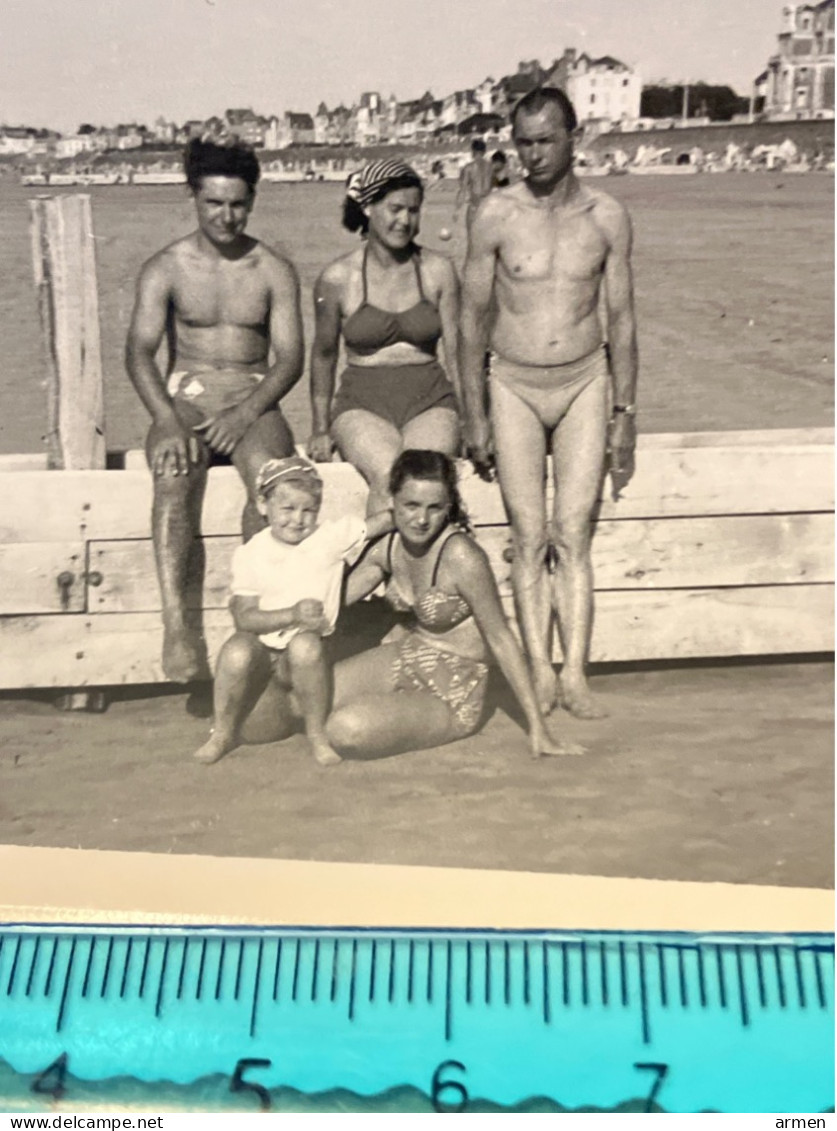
x=541 y=97
x=418 y=463
x=356 y=220
x=207 y=159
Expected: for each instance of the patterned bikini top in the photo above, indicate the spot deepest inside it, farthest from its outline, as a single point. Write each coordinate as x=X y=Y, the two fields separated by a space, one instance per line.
x=435 y=610
x=370 y=328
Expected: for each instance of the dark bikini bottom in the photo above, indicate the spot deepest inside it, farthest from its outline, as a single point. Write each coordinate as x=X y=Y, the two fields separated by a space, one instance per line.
x=397 y=393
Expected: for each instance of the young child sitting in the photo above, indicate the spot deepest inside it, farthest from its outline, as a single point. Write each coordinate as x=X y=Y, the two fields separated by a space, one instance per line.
x=286 y=584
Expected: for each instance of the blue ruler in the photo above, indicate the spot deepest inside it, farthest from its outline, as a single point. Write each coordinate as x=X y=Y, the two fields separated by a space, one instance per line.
x=669 y=1022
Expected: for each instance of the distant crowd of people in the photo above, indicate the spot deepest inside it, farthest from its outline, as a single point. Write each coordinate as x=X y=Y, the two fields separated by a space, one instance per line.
x=531 y=353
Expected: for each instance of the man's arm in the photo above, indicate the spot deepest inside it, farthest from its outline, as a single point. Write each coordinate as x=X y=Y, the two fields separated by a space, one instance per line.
x=176 y=447
x=622 y=344
x=477 y=288
x=324 y=354
x=449 y=315
x=462 y=189
x=225 y=430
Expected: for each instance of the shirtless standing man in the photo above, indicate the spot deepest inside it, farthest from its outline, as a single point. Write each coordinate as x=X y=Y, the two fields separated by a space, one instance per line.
x=223 y=301
x=545 y=252
x=475 y=184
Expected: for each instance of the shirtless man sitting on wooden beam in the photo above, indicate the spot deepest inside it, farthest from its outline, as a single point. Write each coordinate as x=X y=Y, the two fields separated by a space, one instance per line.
x=223 y=301
x=545 y=255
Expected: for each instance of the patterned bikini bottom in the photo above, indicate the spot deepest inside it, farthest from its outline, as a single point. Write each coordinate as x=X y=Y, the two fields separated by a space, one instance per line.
x=456 y=680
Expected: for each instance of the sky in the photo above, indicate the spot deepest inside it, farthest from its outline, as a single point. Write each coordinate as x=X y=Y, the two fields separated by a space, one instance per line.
x=64 y=62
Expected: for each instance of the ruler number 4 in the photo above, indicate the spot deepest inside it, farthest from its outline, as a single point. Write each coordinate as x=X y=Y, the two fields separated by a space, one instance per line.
x=239 y=1084
x=660 y=1072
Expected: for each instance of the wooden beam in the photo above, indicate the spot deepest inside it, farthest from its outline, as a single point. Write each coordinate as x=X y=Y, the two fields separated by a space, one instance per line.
x=673 y=553
x=64 y=266
x=42 y=577
x=89 y=651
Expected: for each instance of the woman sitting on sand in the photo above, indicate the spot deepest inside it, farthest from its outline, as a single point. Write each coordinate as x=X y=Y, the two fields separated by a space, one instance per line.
x=392 y=302
x=428 y=687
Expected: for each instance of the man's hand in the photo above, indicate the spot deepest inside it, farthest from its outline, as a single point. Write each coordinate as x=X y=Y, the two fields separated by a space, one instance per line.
x=319 y=447
x=621 y=449
x=480 y=448
x=223 y=431
x=310 y=615
x=176 y=449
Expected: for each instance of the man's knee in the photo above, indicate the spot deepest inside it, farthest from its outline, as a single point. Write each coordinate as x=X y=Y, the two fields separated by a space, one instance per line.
x=305 y=650
x=573 y=534
x=241 y=651
x=344 y=729
x=529 y=546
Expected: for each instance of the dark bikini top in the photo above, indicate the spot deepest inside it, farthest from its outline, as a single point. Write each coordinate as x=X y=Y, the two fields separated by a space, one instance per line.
x=435 y=610
x=370 y=328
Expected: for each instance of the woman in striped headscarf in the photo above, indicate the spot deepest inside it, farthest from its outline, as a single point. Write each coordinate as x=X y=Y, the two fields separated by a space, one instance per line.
x=390 y=302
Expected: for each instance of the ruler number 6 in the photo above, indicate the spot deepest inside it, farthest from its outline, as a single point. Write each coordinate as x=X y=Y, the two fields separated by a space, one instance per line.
x=438 y=1086
x=239 y=1084
x=660 y=1072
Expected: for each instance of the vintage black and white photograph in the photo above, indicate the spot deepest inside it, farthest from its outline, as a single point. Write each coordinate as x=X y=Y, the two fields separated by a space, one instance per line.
x=416 y=433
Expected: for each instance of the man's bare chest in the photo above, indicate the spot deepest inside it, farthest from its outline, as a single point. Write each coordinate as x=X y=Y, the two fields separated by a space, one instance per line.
x=235 y=294
x=552 y=246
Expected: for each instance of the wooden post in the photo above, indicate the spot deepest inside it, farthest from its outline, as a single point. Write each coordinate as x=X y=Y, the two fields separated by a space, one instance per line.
x=64 y=263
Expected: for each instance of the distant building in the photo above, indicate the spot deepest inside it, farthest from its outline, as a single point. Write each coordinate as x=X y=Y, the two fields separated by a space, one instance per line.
x=799 y=80
x=603 y=90
x=299 y=128
x=16 y=140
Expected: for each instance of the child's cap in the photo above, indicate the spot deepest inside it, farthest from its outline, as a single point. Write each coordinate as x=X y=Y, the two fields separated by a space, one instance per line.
x=292 y=467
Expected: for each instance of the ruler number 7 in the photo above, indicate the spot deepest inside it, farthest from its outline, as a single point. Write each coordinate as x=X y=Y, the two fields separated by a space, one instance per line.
x=660 y=1072
x=239 y=1084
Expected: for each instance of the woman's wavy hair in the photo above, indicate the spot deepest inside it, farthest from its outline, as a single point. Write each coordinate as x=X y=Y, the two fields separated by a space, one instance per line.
x=417 y=463
x=356 y=220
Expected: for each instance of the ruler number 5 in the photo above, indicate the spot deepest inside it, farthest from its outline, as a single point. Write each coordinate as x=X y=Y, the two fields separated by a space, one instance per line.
x=239 y=1084
x=438 y=1086
x=660 y=1072
x=51 y=1081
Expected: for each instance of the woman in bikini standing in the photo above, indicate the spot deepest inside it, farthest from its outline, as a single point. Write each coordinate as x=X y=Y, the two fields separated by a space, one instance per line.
x=428 y=688
x=391 y=302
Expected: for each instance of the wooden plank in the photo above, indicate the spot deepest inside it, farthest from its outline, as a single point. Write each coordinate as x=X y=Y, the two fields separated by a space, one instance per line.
x=30 y=573
x=643 y=554
x=65 y=276
x=89 y=651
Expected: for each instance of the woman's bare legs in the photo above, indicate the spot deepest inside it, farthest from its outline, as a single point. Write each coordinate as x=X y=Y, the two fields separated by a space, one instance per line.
x=436 y=430
x=371 y=444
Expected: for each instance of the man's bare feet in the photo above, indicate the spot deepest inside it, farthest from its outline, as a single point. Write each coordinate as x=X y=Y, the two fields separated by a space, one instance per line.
x=546 y=686
x=562 y=749
x=215 y=747
x=577 y=699
x=324 y=753
x=183 y=658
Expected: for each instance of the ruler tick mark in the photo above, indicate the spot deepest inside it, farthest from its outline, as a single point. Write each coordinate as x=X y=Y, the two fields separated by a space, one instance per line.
x=411 y=958
x=800 y=981
x=585 y=989
x=820 y=980
x=182 y=975
x=372 y=965
x=661 y=966
x=86 y=982
x=32 y=965
x=448 y=990
x=623 y=973
x=125 y=967
x=526 y=980
x=430 y=953
x=201 y=967
x=506 y=974
x=701 y=978
x=61 y=1009
x=295 y=980
x=391 y=983
x=158 y=1005
x=14 y=966
x=256 y=988
x=106 y=975
x=239 y=965
x=352 y=981
x=144 y=966
x=220 y=975
x=681 y=970
x=565 y=974
x=276 y=968
x=722 y=986
x=643 y=994
x=468 y=960
x=742 y=988
x=315 y=969
x=547 y=1016
x=603 y=973
x=760 y=977
x=487 y=974
x=332 y=993
x=780 y=977
x=51 y=968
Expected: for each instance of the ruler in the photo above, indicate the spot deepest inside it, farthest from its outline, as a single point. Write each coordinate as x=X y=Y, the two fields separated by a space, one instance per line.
x=452 y=1020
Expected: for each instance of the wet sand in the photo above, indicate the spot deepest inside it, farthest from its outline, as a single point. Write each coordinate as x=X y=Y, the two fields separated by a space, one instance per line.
x=712 y=773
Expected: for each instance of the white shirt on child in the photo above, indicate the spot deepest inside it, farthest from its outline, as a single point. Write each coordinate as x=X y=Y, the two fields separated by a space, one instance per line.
x=280 y=574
